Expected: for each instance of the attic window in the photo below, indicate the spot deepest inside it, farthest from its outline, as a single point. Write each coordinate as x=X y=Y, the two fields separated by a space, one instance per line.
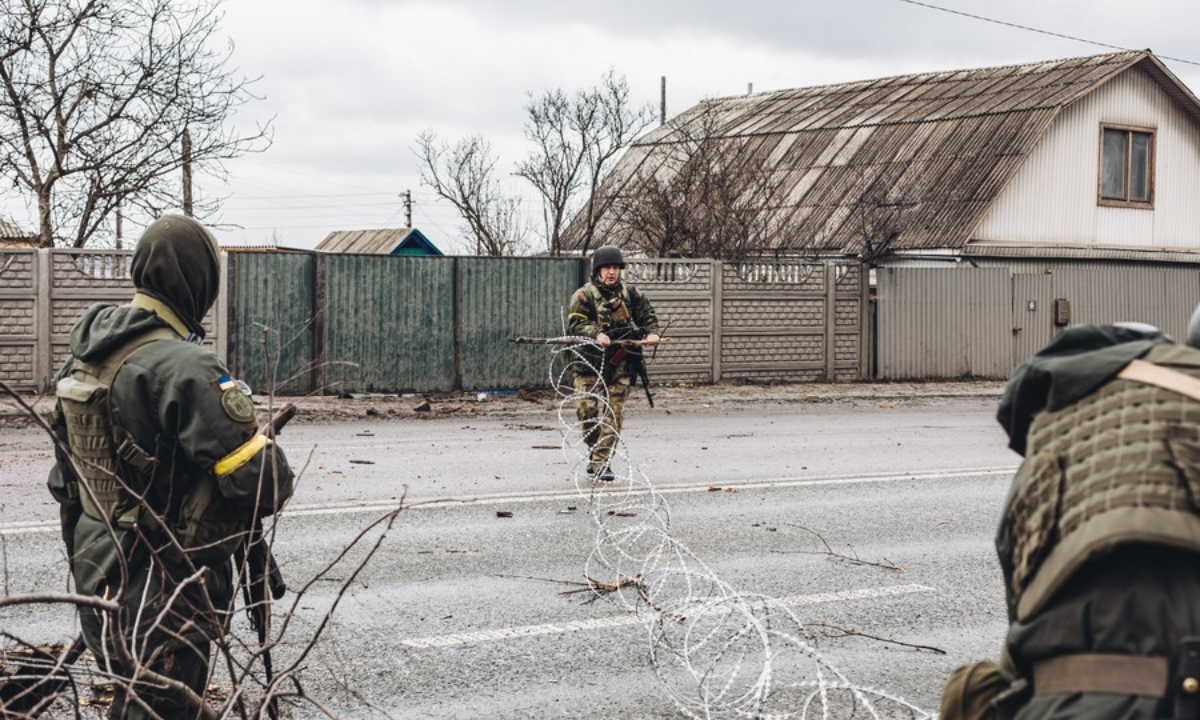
x=1126 y=166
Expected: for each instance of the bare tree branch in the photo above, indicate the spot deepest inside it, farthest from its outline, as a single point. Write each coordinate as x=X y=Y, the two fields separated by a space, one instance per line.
x=701 y=193
x=95 y=98
x=465 y=175
x=852 y=559
x=576 y=140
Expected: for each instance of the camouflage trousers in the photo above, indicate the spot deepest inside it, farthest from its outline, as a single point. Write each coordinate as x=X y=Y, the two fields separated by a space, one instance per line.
x=601 y=421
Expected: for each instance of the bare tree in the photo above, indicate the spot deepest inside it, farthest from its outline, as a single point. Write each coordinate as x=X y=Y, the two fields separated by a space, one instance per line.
x=465 y=175
x=95 y=97
x=877 y=218
x=702 y=194
x=576 y=140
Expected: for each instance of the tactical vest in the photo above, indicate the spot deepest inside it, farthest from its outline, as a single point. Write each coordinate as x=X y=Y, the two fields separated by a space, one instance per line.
x=1120 y=466
x=99 y=449
x=617 y=310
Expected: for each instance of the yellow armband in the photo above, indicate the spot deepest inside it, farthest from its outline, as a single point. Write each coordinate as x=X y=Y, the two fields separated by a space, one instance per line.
x=241 y=456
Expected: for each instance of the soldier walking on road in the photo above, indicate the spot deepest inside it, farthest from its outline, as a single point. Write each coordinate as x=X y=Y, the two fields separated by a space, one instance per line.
x=160 y=475
x=1100 y=537
x=614 y=313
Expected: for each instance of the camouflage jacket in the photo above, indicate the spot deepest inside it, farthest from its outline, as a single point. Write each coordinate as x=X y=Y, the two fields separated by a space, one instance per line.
x=596 y=308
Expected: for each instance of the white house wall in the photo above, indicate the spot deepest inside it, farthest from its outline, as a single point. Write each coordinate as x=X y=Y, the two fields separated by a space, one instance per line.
x=1052 y=200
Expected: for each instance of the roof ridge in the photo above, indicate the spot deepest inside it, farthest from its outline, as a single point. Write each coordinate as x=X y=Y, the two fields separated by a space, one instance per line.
x=932 y=73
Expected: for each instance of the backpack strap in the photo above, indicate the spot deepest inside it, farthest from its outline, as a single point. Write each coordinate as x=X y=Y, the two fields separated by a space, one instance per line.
x=1149 y=373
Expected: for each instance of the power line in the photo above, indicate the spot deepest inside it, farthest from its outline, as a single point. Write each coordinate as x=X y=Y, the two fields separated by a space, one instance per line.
x=1037 y=30
x=320 y=195
x=306 y=207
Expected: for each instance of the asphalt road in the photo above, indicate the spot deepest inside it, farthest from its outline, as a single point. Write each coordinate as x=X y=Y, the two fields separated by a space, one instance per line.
x=867 y=519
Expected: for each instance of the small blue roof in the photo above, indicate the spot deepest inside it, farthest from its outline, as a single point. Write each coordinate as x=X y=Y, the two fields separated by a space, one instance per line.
x=386 y=241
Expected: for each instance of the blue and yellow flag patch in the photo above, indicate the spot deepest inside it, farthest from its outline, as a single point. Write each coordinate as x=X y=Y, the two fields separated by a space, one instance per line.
x=225 y=382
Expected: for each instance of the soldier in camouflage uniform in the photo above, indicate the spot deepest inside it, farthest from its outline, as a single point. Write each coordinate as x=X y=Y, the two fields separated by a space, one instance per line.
x=607 y=309
x=160 y=473
x=1100 y=537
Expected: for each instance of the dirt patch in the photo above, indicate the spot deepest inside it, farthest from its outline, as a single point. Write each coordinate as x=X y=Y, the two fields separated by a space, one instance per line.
x=670 y=398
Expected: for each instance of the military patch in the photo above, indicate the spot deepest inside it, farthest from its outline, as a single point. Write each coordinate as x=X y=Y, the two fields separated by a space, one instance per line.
x=238 y=405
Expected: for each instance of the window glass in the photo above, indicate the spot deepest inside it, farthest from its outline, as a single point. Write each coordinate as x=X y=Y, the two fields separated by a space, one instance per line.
x=1139 y=167
x=1112 y=165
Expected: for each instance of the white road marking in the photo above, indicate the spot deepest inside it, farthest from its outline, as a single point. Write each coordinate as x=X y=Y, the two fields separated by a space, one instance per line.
x=480 y=636
x=617 y=488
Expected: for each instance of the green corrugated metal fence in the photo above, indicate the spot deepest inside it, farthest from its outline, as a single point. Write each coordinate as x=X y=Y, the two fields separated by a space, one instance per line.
x=368 y=323
x=389 y=324
x=270 y=340
x=502 y=298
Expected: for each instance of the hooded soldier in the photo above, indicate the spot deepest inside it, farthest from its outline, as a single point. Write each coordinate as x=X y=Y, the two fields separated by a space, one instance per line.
x=608 y=310
x=160 y=473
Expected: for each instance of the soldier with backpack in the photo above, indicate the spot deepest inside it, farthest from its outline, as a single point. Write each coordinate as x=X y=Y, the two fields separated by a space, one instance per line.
x=1099 y=540
x=161 y=473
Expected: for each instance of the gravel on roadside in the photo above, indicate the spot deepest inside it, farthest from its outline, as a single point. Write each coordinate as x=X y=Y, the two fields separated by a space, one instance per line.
x=668 y=397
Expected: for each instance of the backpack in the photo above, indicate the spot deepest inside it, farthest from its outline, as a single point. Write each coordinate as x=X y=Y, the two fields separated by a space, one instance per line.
x=99 y=449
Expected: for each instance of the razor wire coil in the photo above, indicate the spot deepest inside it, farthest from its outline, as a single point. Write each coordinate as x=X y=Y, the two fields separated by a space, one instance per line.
x=716 y=651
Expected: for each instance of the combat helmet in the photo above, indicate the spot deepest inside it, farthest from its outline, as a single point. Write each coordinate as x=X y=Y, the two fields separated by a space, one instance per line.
x=607 y=255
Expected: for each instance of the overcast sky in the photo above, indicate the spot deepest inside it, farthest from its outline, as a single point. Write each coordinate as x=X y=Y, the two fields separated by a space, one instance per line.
x=351 y=83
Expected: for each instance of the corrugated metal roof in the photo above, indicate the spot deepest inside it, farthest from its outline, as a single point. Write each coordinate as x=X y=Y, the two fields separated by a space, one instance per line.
x=262 y=248
x=364 y=242
x=943 y=144
x=11 y=231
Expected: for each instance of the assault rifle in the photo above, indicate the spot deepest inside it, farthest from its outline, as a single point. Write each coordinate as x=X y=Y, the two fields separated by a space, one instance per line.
x=631 y=343
x=628 y=351
x=262 y=581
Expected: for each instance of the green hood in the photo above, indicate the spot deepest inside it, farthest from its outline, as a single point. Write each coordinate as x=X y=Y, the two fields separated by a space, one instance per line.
x=177 y=263
x=104 y=328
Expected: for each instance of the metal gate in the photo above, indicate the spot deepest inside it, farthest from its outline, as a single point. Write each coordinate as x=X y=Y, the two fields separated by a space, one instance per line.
x=1032 y=316
x=950 y=322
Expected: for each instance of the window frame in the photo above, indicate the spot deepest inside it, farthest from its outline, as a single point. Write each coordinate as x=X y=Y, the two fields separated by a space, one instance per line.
x=1129 y=130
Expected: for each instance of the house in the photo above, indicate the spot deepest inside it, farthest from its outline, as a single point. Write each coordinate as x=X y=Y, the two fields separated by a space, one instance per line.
x=1099 y=153
x=1074 y=182
x=387 y=241
x=13 y=237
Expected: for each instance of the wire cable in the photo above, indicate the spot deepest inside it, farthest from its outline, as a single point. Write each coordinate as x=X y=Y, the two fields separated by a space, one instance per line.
x=1028 y=28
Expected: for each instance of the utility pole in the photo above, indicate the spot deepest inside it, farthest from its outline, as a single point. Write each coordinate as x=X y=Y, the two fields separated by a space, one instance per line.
x=187 y=172
x=407 y=208
x=119 y=218
x=662 y=108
